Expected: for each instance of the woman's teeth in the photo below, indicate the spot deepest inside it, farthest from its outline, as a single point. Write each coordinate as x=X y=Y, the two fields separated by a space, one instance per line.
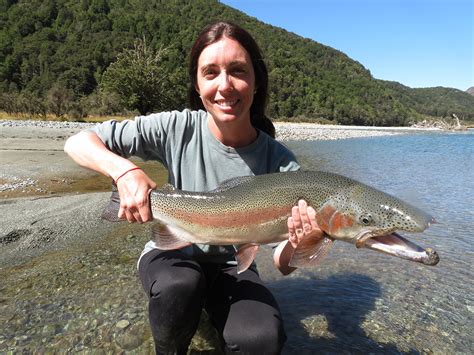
x=226 y=103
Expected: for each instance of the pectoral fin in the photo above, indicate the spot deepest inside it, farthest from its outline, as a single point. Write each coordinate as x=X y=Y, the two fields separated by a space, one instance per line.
x=311 y=251
x=166 y=239
x=245 y=256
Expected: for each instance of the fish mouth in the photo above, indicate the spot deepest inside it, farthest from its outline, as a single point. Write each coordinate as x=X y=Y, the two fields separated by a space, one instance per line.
x=396 y=245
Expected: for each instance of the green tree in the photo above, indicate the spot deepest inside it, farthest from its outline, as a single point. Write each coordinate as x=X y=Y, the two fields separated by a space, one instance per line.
x=140 y=79
x=59 y=100
x=70 y=43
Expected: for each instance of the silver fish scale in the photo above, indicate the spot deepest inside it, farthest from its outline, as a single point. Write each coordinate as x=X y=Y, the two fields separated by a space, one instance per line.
x=282 y=190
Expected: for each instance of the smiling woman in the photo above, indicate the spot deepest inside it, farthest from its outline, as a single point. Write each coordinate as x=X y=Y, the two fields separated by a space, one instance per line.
x=225 y=135
x=223 y=30
x=226 y=82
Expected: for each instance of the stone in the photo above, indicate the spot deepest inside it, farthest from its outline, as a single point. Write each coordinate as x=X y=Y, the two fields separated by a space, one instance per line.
x=122 y=324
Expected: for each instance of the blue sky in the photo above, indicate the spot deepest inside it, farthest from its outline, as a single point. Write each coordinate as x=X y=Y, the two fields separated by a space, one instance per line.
x=419 y=43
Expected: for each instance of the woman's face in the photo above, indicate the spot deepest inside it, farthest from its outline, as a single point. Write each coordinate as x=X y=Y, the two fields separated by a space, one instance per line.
x=226 y=81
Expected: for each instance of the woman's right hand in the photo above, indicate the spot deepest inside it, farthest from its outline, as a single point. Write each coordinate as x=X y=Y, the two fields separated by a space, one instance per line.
x=134 y=186
x=134 y=189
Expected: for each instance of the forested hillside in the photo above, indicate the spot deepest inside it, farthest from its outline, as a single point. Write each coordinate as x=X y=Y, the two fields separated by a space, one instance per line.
x=53 y=55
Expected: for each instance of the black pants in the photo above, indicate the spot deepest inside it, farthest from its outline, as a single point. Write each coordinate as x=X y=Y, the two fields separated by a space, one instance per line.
x=242 y=309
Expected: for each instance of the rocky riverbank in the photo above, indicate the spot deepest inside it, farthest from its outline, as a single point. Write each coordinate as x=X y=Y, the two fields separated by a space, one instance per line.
x=308 y=131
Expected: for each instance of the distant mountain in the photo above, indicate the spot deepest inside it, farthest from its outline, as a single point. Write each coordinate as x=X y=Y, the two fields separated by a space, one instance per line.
x=435 y=102
x=69 y=44
x=470 y=91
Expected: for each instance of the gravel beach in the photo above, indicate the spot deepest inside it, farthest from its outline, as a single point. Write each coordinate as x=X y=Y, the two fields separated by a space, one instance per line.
x=68 y=278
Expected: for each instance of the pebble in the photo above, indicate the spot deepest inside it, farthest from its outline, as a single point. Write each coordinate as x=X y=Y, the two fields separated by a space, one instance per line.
x=15 y=183
x=45 y=124
x=122 y=324
x=310 y=131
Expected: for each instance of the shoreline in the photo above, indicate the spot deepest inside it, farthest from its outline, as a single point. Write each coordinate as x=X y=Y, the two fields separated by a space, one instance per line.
x=312 y=131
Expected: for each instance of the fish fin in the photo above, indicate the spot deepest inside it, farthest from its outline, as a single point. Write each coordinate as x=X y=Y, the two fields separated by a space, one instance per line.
x=167 y=188
x=311 y=251
x=110 y=213
x=245 y=256
x=166 y=239
x=231 y=183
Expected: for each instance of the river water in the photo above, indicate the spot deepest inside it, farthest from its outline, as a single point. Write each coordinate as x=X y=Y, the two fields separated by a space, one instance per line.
x=361 y=301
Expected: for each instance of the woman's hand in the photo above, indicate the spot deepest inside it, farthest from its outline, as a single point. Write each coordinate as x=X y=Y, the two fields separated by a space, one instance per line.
x=134 y=189
x=134 y=186
x=302 y=224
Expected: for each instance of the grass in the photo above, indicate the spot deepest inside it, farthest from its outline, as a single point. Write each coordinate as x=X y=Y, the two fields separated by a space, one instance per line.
x=65 y=118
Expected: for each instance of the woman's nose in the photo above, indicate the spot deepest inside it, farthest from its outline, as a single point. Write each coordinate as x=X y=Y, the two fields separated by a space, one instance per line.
x=225 y=82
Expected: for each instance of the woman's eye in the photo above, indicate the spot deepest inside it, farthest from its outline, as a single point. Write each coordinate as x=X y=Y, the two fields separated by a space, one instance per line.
x=239 y=71
x=209 y=74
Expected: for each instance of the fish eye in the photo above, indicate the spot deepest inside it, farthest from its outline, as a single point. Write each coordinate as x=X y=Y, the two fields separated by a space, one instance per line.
x=366 y=219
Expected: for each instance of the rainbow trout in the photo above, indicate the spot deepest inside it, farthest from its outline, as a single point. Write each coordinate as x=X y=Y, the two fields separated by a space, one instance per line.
x=253 y=210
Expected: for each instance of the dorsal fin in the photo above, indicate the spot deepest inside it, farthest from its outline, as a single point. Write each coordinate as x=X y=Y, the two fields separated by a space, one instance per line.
x=233 y=182
x=167 y=188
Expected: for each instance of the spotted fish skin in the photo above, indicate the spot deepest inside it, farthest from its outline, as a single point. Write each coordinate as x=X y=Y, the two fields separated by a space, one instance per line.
x=256 y=208
x=253 y=210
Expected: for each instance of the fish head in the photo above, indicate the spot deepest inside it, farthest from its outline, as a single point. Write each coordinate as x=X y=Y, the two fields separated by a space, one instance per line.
x=371 y=218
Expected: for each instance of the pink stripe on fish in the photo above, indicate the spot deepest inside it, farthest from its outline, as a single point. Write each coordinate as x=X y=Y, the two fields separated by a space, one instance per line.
x=235 y=219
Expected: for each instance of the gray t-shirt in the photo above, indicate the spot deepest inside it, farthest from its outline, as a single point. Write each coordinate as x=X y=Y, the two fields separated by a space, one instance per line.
x=194 y=158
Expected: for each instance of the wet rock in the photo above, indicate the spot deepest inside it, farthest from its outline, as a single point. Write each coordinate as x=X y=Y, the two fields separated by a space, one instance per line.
x=122 y=324
x=51 y=329
x=133 y=337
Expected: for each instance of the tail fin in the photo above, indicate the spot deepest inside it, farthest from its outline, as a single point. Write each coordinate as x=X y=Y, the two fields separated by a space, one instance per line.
x=110 y=212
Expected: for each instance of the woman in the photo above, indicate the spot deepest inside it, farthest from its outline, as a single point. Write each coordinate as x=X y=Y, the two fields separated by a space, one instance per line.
x=226 y=135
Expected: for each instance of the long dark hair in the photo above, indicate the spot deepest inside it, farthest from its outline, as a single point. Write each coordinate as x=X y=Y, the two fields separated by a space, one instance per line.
x=213 y=33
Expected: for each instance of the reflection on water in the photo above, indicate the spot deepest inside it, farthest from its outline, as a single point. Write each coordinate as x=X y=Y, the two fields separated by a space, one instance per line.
x=331 y=316
x=364 y=301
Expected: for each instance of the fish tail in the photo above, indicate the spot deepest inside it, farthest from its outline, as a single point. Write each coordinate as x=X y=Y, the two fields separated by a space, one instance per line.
x=110 y=212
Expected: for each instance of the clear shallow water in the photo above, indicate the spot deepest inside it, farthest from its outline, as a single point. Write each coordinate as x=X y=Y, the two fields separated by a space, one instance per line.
x=361 y=301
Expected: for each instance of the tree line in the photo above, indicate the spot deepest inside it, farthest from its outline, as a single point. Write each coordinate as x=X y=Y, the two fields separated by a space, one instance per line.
x=103 y=57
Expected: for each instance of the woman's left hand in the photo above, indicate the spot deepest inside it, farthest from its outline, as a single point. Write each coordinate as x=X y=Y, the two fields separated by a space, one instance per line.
x=302 y=224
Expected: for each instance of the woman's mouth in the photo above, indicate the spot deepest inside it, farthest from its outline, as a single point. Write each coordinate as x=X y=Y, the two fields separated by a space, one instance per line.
x=226 y=104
